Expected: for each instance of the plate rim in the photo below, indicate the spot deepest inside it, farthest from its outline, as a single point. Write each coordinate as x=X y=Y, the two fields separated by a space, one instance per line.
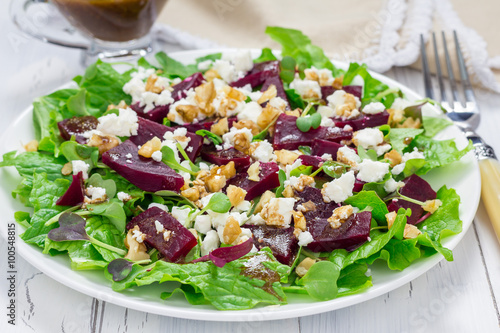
x=30 y=252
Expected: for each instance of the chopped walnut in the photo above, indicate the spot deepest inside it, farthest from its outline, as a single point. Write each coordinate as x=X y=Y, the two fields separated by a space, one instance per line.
x=247 y=123
x=235 y=94
x=191 y=193
x=267 y=116
x=187 y=112
x=343 y=158
x=242 y=142
x=231 y=230
x=235 y=194
x=411 y=231
x=150 y=84
x=103 y=142
x=167 y=234
x=264 y=199
x=299 y=220
x=393 y=157
x=390 y=217
x=337 y=82
x=214 y=183
x=295 y=113
x=221 y=127
x=121 y=105
x=211 y=74
x=150 y=147
x=285 y=157
x=270 y=213
x=432 y=205
x=307 y=206
x=304 y=266
x=348 y=109
x=227 y=170
x=410 y=123
x=254 y=171
x=271 y=92
x=302 y=182
x=297 y=232
x=136 y=251
x=204 y=96
x=323 y=79
x=396 y=116
x=288 y=192
x=31 y=146
x=67 y=169
x=340 y=215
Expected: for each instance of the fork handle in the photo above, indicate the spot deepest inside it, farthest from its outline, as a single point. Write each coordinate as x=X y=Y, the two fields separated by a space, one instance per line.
x=490 y=190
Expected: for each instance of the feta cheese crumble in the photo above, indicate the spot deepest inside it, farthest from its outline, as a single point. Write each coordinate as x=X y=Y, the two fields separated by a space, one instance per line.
x=123 y=124
x=96 y=193
x=122 y=196
x=305 y=238
x=374 y=108
x=338 y=190
x=371 y=171
x=80 y=166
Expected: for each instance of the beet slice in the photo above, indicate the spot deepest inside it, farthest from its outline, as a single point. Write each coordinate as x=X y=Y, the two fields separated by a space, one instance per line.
x=145 y=173
x=181 y=240
x=156 y=115
x=415 y=188
x=322 y=210
x=178 y=92
x=205 y=124
x=149 y=129
x=77 y=126
x=288 y=136
x=259 y=74
x=349 y=235
x=354 y=90
x=364 y=121
x=358 y=185
x=320 y=147
x=327 y=91
x=223 y=255
x=223 y=157
x=74 y=195
x=268 y=180
x=309 y=160
x=280 y=90
x=281 y=241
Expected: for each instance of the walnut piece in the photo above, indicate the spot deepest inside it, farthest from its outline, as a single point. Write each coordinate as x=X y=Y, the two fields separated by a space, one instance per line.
x=214 y=183
x=103 y=142
x=390 y=217
x=285 y=157
x=187 y=112
x=340 y=215
x=299 y=220
x=302 y=182
x=191 y=193
x=221 y=127
x=254 y=171
x=67 y=169
x=121 y=105
x=242 y=142
x=288 y=192
x=31 y=146
x=231 y=230
x=267 y=116
x=247 y=123
x=432 y=205
x=150 y=147
x=393 y=157
x=271 y=92
x=411 y=231
x=304 y=266
x=348 y=109
x=235 y=194
x=204 y=95
x=264 y=199
x=211 y=74
x=136 y=251
x=150 y=84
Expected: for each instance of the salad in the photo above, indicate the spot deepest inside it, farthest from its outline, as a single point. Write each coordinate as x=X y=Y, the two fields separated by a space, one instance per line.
x=239 y=180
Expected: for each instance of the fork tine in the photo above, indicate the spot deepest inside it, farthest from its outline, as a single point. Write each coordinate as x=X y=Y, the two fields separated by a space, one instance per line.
x=464 y=75
x=453 y=84
x=429 y=91
x=439 y=73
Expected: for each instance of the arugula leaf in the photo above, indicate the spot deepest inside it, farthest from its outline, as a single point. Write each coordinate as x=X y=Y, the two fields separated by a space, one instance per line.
x=301 y=170
x=295 y=100
x=281 y=188
x=398 y=137
x=320 y=280
x=266 y=55
x=217 y=140
x=170 y=160
x=231 y=287
x=365 y=199
x=298 y=46
x=373 y=89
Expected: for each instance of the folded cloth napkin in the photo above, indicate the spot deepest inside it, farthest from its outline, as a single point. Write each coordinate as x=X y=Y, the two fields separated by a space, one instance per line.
x=381 y=33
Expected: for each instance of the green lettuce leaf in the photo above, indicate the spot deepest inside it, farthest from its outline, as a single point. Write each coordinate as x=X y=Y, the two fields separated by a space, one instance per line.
x=366 y=199
x=397 y=137
x=46 y=192
x=434 y=125
x=29 y=163
x=266 y=55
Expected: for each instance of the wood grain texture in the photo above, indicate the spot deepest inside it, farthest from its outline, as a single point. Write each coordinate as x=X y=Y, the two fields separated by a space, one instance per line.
x=460 y=296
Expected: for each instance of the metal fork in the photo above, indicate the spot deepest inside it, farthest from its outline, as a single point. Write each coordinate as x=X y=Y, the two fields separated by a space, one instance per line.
x=466 y=117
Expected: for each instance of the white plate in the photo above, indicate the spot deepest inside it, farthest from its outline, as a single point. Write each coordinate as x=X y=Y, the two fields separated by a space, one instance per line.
x=463 y=176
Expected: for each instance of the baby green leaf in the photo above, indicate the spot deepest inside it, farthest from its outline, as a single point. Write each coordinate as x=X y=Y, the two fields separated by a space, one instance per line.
x=217 y=140
x=219 y=203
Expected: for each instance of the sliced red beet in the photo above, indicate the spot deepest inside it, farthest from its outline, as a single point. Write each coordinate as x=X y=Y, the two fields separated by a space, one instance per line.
x=415 y=188
x=268 y=180
x=223 y=157
x=322 y=209
x=288 y=136
x=354 y=90
x=358 y=185
x=223 y=255
x=156 y=115
x=259 y=74
x=320 y=147
x=349 y=235
x=326 y=91
x=149 y=129
x=281 y=241
x=178 y=92
x=77 y=126
x=74 y=195
x=193 y=81
x=364 y=121
x=205 y=124
x=280 y=90
x=309 y=160
x=180 y=242
x=145 y=173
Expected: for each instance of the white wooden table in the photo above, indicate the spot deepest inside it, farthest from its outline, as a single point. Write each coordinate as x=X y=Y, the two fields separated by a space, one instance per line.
x=458 y=296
